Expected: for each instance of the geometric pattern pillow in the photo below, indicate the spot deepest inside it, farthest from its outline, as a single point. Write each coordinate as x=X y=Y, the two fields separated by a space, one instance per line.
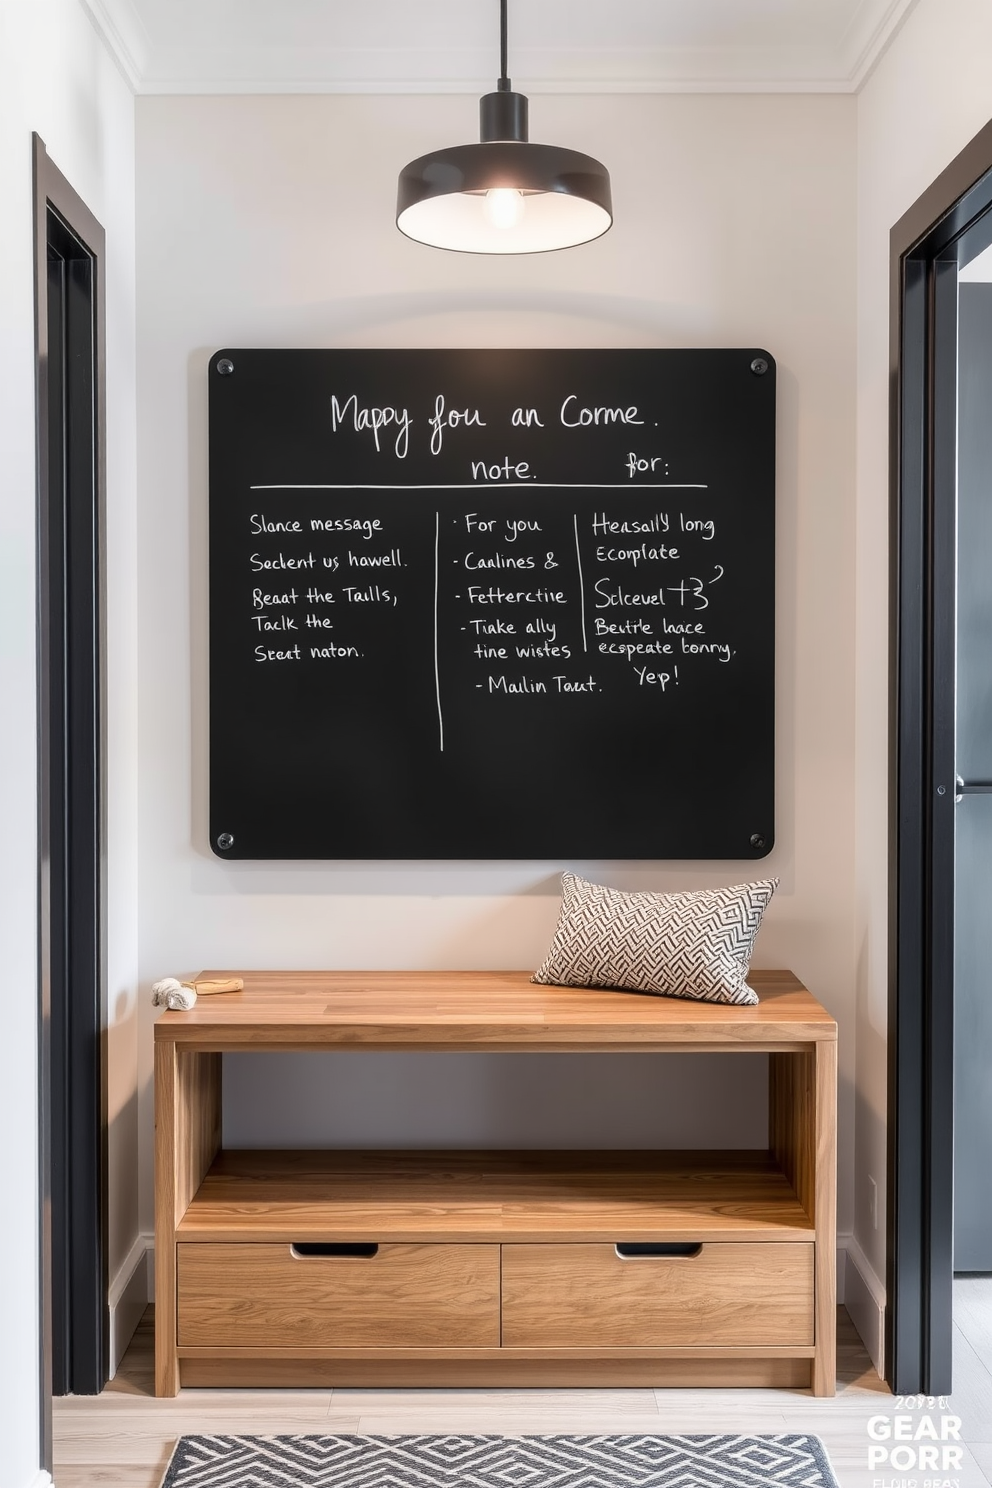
x=695 y=944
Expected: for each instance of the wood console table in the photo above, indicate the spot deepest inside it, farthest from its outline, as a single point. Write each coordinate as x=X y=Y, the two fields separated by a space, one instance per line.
x=493 y=1268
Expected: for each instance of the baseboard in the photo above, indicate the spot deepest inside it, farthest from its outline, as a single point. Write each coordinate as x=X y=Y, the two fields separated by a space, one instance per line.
x=128 y=1298
x=841 y=1271
x=864 y=1298
x=41 y=1479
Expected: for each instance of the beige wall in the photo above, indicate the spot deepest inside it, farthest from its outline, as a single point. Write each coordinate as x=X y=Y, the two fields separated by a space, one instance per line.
x=268 y=222
x=929 y=95
x=57 y=78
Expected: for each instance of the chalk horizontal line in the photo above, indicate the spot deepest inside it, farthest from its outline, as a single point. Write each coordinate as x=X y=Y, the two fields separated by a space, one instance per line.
x=500 y=486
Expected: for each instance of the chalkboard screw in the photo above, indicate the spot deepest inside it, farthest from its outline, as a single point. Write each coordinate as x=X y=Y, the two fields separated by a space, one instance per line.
x=757 y=840
x=225 y=367
x=759 y=366
x=225 y=841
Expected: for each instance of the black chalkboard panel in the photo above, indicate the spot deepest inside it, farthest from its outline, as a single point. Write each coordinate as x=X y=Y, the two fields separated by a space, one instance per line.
x=492 y=604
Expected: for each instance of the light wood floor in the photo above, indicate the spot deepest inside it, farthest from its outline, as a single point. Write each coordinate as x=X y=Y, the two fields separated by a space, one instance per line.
x=125 y=1436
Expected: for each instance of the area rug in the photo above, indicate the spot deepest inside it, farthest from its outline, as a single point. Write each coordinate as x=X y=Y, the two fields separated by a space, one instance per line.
x=499 y=1462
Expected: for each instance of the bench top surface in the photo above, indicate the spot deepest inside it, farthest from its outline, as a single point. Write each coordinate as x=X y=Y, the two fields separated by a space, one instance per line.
x=496 y=1010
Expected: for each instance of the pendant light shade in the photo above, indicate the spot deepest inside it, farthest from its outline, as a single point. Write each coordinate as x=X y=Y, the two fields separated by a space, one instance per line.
x=504 y=195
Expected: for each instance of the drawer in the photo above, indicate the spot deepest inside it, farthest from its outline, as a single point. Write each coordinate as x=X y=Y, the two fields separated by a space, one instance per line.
x=273 y=1296
x=589 y=1296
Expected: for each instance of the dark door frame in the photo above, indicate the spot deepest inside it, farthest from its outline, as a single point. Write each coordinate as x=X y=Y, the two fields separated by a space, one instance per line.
x=70 y=252
x=925 y=248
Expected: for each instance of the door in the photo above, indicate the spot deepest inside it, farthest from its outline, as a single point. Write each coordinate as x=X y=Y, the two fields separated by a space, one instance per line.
x=69 y=249
x=938 y=842
x=973 y=757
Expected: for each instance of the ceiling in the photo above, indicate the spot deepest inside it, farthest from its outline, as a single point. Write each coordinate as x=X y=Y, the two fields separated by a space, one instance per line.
x=451 y=46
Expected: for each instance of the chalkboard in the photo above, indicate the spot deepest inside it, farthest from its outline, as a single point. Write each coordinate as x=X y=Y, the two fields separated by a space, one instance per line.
x=492 y=604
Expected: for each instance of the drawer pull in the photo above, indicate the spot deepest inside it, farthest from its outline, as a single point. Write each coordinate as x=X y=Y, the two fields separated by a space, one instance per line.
x=302 y=1249
x=646 y=1250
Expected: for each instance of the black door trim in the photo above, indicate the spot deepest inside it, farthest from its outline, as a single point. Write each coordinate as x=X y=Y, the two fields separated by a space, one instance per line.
x=923 y=393
x=72 y=927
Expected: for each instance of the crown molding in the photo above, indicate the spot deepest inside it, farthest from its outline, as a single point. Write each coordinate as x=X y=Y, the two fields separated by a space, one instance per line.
x=869 y=34
x=124 y=34
x=622 y=70
x=533 y=87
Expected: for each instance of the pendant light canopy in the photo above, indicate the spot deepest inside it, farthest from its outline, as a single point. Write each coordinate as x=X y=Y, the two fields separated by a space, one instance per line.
x=504 y=195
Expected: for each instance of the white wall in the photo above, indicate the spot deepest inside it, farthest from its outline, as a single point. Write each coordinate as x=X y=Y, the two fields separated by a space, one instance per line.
x=56 y=78
x=267 y=221
x=929 y=95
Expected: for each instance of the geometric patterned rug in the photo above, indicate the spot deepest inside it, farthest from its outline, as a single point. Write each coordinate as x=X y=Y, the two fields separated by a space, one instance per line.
x=453 y=1461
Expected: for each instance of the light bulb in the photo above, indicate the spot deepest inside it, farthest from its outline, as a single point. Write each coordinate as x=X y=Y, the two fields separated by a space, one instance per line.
x=504 y=206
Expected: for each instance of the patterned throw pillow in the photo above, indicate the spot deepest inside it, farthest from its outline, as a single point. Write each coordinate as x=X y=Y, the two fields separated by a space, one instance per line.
x=695 y=944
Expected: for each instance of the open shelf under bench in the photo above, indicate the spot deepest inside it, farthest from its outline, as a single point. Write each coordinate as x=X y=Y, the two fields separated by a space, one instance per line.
x=471 y=1268
x=495 y=1196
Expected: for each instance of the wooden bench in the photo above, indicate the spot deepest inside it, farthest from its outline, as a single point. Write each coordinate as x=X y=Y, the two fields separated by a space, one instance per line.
x=493 y=1268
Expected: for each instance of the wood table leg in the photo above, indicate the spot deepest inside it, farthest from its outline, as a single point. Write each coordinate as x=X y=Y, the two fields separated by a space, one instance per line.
x=802 y=1134
x=825 y=1264
x=166 y=1363
x=187 y=1136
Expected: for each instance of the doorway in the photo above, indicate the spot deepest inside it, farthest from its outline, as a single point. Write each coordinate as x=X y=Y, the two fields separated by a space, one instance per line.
x=941 y=759
x=69 y=306
x=972 y=1232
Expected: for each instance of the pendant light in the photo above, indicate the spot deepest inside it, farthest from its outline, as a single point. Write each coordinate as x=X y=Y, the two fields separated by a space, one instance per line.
x=504 y=195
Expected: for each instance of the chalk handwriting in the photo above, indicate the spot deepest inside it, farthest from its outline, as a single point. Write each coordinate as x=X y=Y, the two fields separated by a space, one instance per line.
x=373 y=420
x=481 y=470
x=583 y=418
x=451 y=418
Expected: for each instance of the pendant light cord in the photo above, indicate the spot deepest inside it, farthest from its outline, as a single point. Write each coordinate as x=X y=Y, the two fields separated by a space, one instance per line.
x=503 y=86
